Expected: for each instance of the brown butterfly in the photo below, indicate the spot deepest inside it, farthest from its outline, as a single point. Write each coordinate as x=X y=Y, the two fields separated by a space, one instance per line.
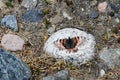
x=71 y=44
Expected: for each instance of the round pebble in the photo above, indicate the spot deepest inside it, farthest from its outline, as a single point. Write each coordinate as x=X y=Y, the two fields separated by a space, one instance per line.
x=94 y=15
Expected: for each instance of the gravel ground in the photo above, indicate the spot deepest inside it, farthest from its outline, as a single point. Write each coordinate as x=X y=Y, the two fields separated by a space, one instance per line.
x=104 y=27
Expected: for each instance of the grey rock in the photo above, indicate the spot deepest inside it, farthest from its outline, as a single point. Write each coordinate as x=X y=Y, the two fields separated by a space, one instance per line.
x=13 y=68
x=114 y=8
x=51 y=29
x=10 y=21
x=118 y=16
x=93 y=14
x=73 y=78
x=33 y=15
x=49 y=78
x=29 y=4
x=61 y=75
x=111 y=57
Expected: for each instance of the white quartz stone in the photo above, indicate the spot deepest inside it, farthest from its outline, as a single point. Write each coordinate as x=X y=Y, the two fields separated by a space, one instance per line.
x=85 y=50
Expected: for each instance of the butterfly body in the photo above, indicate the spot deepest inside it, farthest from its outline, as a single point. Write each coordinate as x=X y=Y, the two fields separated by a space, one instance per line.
x=70 y=44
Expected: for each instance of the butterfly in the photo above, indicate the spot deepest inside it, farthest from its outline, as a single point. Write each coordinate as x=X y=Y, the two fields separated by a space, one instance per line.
x=70 y=44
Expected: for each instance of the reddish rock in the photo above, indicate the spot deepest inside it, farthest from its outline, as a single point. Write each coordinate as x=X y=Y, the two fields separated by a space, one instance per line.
x=12 y=42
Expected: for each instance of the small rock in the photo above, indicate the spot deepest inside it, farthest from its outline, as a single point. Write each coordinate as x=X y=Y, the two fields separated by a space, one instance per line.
x=49 y=78
x=114 y=8
x=117 y=20
x=29 y=4
x=102 y=6
x=93 y=2
x=51 y=1
x=111 y=57
x=102 y=73
x=73 y=78
x=56 y=19
x=13 y=68
x=67 y=16
x=61 y=75
x=12 y=42
x=94 y=15
x=51 y=29
x=10 y=21
x=33 y=15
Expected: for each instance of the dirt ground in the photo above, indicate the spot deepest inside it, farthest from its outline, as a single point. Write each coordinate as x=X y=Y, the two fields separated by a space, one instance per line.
x=104 y=28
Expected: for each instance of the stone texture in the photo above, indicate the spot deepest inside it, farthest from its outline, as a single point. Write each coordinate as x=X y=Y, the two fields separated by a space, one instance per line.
x=102 y=6
x=29 y=4
x=12 y=68
x=94 y=15
x=111 y=57
x=66 y=15
x=12 y=42
x=10 y=21
x=114 y=8
x=57 y=19
x=61 y=75
x=84 y=52
x=33 y=15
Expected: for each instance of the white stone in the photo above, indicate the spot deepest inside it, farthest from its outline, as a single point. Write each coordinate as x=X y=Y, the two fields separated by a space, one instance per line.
x=12 y=42
x=67 y=16
x=85 y=50
x=102 y=73
x=117 y=20
x=102 y=6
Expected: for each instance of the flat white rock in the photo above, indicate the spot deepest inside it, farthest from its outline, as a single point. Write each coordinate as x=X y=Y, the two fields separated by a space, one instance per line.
x=85 y=50
x=12 y=42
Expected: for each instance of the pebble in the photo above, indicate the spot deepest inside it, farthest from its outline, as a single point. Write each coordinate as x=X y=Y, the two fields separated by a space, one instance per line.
x=51 y=1
x=49 y=78
x=51 y=29
x=111 y=57
x=56 y=19
x=114 y=8
x=61 y=75
x=94 y=15
x=9 y=21
x=13 y=68
x=33 y=15
x=29 y=4
x=67 y=16
x=117 y=20
x=93 y=2
x=12 y=42
x=102 y=6
x=102 y=73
